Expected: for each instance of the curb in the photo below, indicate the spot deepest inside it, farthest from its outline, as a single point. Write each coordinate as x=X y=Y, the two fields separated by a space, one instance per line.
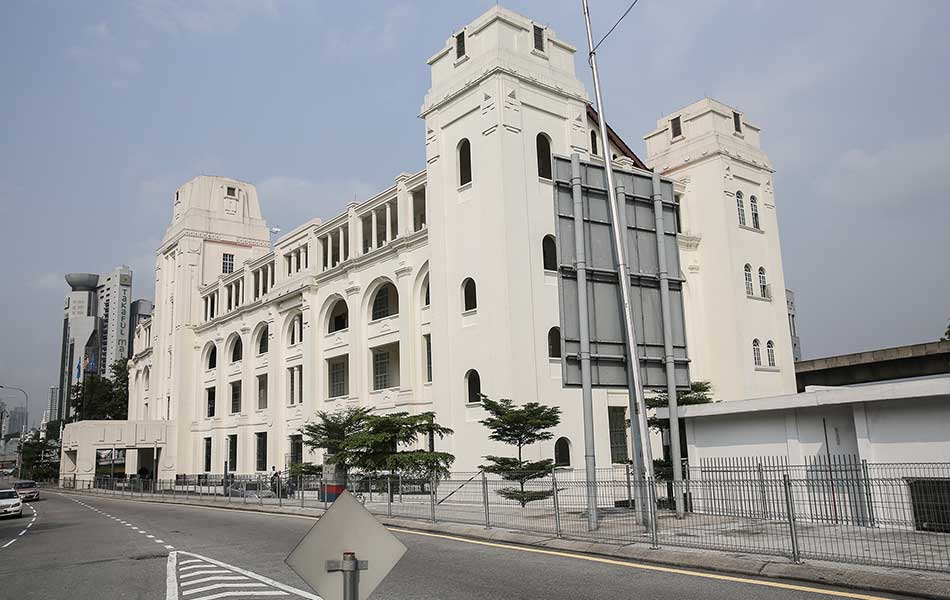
x=922 y=584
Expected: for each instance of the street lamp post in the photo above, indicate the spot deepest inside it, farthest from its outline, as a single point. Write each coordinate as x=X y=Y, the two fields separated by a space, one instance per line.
x=26 y=409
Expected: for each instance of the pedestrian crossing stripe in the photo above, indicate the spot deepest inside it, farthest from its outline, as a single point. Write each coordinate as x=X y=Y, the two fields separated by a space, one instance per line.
x=192 y=576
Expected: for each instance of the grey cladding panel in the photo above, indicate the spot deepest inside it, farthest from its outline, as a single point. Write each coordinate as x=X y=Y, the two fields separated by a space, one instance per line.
x=605 y=314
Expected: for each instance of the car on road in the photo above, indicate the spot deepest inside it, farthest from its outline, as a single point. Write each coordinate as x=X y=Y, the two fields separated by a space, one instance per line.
x=10 y=503
x=27 y=490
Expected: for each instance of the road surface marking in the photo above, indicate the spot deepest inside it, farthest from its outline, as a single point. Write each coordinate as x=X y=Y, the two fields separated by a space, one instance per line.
x=10 y=542
x=219 y=586
x=170 y=547
x=159 y=541
x=646 y=567
x=229 y=583
x=150 y=536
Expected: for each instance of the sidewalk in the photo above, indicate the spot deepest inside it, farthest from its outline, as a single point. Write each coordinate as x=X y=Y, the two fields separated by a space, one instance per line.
x=922 y=584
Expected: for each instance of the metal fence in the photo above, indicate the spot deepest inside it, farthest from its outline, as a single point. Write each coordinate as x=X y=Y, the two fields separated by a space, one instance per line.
x=851 y=512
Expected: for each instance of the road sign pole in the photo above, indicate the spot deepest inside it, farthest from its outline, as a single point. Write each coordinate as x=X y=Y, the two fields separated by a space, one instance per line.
x=351 y=573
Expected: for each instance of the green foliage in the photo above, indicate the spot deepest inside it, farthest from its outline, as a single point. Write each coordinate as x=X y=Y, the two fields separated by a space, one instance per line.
x=40 y=458
x=298 y=469
x=946 y=334
x=698 y=394
x=102 y=398
x=52 y=430
x=355 y=439
x=519 y=426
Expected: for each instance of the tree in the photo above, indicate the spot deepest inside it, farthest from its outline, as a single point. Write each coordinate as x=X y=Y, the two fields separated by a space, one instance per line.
x=330 y=431
x=102 y=398
x=39 y=458
x=946 y=334
x=385 y=444
x=698 y=394
x=354 y=438
x=520 y=427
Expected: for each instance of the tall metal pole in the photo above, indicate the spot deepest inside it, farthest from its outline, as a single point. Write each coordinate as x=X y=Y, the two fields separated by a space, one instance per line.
x=580 y=258
x=643 y=460
x=668 y=357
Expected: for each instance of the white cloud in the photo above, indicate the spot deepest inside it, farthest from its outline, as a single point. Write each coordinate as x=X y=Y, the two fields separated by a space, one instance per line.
x=900 y=175
x=372 y=37
x=98 y=48
x=203 y=16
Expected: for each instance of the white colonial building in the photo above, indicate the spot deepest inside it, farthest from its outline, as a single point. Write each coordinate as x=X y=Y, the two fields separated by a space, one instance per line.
x=438 y=288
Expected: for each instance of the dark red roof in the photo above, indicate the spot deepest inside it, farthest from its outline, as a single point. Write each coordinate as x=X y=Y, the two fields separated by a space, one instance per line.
x=616 y=140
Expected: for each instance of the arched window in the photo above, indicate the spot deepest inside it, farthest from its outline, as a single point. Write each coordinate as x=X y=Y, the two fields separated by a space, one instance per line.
x=544 y=156
x=147 y=377
x=756 y=353
x=549 y=253
x=473 y=387
x=425 y=291
x=339 y=318
x=385 y=302
x=741 y=208
x=770 y=352
x=213 y=357
x=554 y=342
x=593 y=143
x=562 y=452
x=749 y=290
x=295 y=335
x=237 y=350
x=465 y=162
x=754 y=206
x=763 y=283
x=263 y=340
x=469 y=297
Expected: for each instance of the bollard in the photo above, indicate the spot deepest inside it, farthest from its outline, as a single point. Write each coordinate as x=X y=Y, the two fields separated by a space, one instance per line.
x=557 y=508
x=485 y=500
x=389 y=495
x=790 y=510
x=432 y=497
x=323 y=487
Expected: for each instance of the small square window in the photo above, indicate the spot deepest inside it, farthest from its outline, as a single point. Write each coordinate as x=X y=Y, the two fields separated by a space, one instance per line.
x=737 y=122
x=232 y=192
x=676 y=127
x=539 y=38
x=460 y=45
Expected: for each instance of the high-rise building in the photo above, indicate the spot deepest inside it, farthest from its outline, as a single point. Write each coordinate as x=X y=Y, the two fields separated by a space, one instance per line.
x=96 y=326
x=18 y=417
x=141 y=311
x=52 y=404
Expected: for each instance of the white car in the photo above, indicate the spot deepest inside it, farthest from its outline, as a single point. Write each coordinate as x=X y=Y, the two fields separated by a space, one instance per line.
x=10 y=504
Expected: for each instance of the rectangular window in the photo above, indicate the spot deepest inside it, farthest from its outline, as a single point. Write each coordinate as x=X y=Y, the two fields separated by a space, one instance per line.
x=227 y=263
x=428 y=343
x=380 y=370
x=207 y=455
x=261 y=392
x=260 y=441
x=676 y=127
x=232 y=453
x=232 y=192
x=617 y=426
x=209 y=396
x=295 y=384
x=737 y=122
x=235 y=397
x=337 y=367
x=460 y=45
x=296 y=449
x=539 y=38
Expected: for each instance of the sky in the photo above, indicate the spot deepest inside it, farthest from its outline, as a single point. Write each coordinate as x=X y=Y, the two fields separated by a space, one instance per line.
x=106 y=107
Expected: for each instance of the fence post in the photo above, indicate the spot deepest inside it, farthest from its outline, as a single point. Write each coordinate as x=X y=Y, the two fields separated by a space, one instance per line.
x=389 y=495
x=432 y=497
x=629 y=488
x=763 y=496
x=300 y=488
x=867 y=492
x=400 y=488
x=280 y=501
x=557 y=508
x=651 y=493
x=790 y=510
x=485 y=500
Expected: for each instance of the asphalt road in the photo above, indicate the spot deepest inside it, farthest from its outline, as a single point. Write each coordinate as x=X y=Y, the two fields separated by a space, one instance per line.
x=82 y=547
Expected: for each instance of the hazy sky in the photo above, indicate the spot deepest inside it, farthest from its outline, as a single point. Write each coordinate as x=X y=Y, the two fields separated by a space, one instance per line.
x=106 y=107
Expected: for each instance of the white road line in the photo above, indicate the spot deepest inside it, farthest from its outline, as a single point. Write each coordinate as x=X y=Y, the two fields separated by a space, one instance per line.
x=150 y=536
x=189 y=561
x=159 y=541
x=30 y=524
x=218 y=586
x=194 y=566
x=10 y=542
x=169 y=547
x=248 y=593
x=171 y=582
x=21 y=533
x=215 y=578
x=252 y=575
x=210 y=572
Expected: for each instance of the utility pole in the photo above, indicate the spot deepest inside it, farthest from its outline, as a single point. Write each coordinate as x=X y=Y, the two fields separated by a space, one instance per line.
x=639 y=433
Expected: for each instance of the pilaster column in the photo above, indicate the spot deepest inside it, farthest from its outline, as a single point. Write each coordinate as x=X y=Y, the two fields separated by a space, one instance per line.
x=372 y=245
x=342 y=240
x=408 y=345
x=389 y=223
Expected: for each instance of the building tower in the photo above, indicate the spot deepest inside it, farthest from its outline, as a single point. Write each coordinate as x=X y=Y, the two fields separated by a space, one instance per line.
x=737 y=323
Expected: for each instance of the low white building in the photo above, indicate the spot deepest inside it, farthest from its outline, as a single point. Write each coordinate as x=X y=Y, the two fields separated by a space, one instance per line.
x=436 y=289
